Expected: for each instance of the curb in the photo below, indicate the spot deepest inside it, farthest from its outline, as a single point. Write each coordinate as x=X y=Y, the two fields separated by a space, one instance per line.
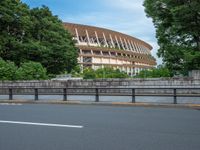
x=194 y=106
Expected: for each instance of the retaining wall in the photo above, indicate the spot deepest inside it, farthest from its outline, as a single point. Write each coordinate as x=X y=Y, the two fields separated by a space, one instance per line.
x=135 y=83
x=103 y=83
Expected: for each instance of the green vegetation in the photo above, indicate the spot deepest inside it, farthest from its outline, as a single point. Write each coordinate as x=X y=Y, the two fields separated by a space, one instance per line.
x=103 y=73
x=7 y=70
x=35 y=35
x=177 y=25
x=158 y=72
x=26 y=71
x=31 y=71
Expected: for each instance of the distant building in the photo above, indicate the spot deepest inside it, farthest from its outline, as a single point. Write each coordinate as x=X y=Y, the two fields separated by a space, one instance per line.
x=100 y=47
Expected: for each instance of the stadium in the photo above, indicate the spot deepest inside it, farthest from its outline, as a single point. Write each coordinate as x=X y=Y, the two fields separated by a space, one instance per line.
x=99 y=47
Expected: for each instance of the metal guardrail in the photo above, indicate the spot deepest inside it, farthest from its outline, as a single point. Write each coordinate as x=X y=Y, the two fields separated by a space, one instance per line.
x=96 y=92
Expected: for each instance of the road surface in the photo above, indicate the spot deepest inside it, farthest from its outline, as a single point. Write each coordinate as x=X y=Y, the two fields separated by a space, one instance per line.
x=89 y=127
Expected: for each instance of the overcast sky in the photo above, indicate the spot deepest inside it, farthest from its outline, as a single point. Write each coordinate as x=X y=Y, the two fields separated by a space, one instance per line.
x=126 y=16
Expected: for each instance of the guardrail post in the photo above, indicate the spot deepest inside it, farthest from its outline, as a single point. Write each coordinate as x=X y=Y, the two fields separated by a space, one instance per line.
x=97 y=95
x=10 y=94
x=64 y=94
x=133 y=95
x=175 y=97
x=36 y=94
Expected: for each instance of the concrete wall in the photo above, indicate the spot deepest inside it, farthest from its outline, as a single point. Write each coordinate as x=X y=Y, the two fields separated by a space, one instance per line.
x=195 y=74
x=137 y=83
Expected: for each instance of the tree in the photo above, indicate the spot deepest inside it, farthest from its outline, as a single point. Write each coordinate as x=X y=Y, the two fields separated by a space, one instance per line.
x=177 y=30
x=35 y=35
x=14 y=26
x=31 y=71
x=55 y=49
x=7 y=70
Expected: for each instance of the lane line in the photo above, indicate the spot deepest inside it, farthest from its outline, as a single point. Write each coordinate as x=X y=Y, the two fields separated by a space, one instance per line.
x=13 y=104
x=40 y=124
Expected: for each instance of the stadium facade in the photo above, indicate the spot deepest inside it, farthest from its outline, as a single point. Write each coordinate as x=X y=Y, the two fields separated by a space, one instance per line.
x=99 y=47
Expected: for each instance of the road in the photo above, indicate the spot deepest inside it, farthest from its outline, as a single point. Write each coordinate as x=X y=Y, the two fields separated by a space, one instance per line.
x=89 y=127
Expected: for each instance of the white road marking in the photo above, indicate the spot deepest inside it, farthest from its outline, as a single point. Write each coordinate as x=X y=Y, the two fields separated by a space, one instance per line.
x=41 y=124
x=18 y=104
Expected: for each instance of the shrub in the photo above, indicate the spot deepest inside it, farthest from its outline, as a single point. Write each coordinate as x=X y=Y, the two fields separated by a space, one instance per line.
x=103 y=73
x=31 y=71
x=7 y=70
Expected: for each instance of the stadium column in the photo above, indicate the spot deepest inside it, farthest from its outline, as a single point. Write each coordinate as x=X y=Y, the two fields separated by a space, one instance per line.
x=135 y=50
x=126 y=45
x=88 y=38
x=97 y=38
x=131 y=71
x=81 y=60
x=112 y=41
x=142 y=51
x=117 y=42
x=131 y=48
x=77 y=35
x=109 y=59
x=136 y=46
x=105 y=40
x=122 y=43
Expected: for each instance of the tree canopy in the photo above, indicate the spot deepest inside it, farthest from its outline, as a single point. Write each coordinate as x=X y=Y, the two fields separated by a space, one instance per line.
x=177 y=25
x=35 y=35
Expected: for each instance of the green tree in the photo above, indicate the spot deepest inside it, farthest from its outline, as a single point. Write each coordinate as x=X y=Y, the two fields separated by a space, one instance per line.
x=31 y=71
x=7 y=70
x=37 y=35
x=54 y=46
x=177 y=30
x=15 y=24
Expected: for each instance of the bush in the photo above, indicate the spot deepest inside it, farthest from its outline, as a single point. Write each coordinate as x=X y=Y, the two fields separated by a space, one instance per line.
x=31 y=71
x=7 y=70
x=110 y=73
x=103 y=73
x=89 y=73
x=158 y=72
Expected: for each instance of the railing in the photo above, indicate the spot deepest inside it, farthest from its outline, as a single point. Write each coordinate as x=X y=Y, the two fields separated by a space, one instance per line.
x=97 y=92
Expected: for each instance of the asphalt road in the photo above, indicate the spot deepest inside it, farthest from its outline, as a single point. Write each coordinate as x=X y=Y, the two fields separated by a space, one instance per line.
x=102 y=128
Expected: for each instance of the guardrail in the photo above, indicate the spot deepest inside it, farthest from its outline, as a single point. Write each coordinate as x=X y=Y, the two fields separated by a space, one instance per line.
x=97 y=92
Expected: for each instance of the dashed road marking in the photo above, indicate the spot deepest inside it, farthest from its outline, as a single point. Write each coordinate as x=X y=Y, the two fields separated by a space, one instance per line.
x=40 y=124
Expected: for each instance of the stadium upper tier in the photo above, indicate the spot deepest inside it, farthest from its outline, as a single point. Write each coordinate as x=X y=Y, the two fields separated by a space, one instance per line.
x=99 y=47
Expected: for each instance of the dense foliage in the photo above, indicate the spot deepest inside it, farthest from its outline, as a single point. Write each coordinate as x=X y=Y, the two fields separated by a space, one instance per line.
x=103 y=73
x=7 y=70
x=177 y=25
x=26 y=71
x=158 y=72
x=35 y=35
x=31 y=71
